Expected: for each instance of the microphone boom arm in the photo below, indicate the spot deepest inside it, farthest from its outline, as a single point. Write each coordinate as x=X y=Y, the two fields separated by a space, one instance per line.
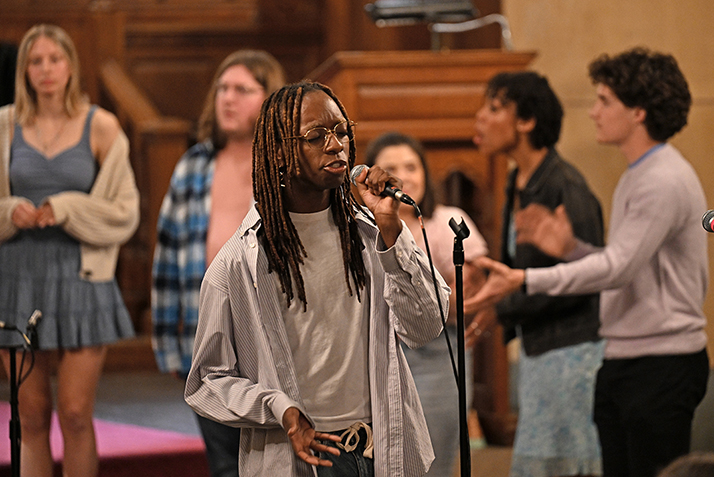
x=473 y=25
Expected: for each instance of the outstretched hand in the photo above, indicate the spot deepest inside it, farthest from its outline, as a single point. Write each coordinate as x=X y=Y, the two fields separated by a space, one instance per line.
x=305 y=440
x=551 y=232
x=501 y=282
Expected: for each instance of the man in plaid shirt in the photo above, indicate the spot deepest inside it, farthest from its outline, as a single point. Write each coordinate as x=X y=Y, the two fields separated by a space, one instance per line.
x=209 y=195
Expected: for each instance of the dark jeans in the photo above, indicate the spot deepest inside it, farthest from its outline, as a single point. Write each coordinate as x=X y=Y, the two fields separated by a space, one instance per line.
x=644 y=409
x=347 y=464
x=222 y=443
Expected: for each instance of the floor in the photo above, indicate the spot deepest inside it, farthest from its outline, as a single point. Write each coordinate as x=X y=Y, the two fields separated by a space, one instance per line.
x=145 y=398
x=155 y=400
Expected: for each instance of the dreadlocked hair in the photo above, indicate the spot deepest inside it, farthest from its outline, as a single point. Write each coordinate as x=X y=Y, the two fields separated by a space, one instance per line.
x=275 y=161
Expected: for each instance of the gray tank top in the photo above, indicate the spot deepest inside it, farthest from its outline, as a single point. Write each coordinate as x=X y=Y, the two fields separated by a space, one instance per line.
x=35 y=176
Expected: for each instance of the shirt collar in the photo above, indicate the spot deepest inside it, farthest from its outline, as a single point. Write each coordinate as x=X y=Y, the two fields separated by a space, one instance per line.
x=647 y=154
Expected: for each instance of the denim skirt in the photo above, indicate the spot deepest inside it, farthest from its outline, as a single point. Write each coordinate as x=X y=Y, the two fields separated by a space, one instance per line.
x=39 y=270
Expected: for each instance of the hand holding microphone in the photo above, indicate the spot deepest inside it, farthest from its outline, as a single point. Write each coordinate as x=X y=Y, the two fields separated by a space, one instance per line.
x=389 y=189
x=374 y=189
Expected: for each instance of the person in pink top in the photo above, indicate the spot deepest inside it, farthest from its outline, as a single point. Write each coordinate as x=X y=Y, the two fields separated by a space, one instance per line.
x=404 y=156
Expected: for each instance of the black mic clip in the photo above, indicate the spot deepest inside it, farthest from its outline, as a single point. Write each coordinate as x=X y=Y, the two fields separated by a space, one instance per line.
x=462 y=232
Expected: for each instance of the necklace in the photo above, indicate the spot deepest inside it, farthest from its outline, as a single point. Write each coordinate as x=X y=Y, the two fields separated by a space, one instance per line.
x=46 y=146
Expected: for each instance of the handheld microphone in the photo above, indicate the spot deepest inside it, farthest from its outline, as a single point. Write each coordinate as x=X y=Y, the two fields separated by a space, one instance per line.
x=708 y=221
x=389 y=190
x=7 y=326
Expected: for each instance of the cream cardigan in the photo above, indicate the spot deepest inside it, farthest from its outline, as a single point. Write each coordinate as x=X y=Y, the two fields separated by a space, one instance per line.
x=101 y=220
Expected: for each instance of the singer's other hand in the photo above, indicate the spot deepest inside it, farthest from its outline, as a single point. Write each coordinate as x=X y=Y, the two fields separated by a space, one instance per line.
x=305 y=440
x=370 y=184
x=501 y=282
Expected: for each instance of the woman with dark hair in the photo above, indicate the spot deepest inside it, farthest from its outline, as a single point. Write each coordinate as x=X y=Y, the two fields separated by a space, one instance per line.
x=560 y=346
x=404 y=156
x=67 y=202
x=302 y=310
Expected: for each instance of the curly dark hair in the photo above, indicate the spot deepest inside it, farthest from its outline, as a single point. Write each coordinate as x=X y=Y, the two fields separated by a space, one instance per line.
x=275 y=161
x=534 y=99
x=393 y=138
x=641 y=78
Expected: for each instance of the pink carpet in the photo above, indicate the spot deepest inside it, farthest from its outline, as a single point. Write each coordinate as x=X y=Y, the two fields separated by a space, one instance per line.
x=124 y=449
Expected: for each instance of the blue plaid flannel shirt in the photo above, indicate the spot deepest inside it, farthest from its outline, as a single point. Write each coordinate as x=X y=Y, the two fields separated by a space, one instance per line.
x=180 y=258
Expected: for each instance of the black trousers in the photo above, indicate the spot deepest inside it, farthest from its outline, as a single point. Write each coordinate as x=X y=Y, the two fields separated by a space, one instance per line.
x=644 y=409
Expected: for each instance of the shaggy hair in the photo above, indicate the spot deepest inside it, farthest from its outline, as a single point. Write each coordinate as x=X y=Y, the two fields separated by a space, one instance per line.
x=265 y=69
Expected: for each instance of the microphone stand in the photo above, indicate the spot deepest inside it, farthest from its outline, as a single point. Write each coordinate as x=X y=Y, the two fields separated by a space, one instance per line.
x=15 y=436
x=30 y=342
x=462 y=232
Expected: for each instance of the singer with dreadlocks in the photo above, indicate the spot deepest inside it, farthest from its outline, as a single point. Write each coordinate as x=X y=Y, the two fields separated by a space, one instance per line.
x=303 y=309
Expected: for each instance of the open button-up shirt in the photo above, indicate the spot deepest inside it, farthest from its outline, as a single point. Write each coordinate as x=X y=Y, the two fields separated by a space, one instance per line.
x=243 y=373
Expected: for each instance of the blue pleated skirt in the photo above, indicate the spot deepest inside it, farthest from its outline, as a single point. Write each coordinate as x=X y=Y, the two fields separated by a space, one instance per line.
x=556 y=434
x=39 y=270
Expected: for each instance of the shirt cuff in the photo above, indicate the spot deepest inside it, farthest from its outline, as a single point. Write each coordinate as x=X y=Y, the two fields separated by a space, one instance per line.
x=281 y=403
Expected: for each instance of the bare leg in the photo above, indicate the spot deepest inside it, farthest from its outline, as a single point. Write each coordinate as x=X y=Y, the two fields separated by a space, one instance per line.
x=35 y=409
x=77 y=377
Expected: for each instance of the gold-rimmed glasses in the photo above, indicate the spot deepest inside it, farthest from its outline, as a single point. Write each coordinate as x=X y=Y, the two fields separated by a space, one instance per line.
x=317 y=137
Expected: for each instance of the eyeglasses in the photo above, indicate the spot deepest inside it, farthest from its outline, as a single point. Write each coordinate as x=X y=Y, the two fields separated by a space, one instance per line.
x=317 y=137
x=223 y=88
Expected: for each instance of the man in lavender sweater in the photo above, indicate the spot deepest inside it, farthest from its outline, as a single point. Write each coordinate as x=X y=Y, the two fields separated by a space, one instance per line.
x=652 y=273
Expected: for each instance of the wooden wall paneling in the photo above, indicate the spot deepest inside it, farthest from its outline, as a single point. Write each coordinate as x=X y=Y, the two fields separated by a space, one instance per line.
x=157 y=142
x=14 y=25
x=178 y=59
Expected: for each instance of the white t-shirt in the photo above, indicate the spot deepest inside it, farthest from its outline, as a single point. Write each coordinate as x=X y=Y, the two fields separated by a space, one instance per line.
x=329 y=341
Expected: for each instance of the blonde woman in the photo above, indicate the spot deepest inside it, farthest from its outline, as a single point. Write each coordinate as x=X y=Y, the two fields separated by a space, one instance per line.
x=67 y=201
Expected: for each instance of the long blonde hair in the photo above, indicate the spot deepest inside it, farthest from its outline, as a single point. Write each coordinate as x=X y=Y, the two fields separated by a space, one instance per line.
x=25 y=95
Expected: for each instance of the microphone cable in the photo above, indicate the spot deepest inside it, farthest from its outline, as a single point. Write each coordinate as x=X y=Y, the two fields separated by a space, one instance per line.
x=436 y=291
x=355 y=172
x=28 y=344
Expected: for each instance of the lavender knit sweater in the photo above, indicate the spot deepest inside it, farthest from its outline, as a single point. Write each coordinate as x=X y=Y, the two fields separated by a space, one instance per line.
x=653 y=272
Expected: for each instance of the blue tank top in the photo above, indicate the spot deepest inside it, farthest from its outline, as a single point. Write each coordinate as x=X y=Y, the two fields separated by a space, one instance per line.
x=35 y=176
